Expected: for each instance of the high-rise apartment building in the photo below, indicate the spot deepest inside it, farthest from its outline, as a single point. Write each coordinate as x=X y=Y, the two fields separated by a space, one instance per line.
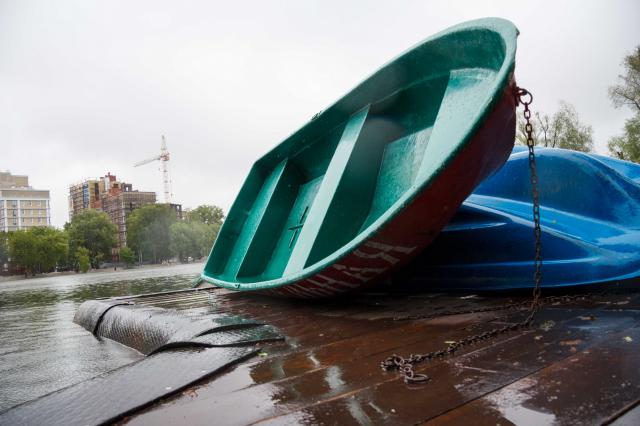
x=117 y=199
x=21 y=206
x=88 y=194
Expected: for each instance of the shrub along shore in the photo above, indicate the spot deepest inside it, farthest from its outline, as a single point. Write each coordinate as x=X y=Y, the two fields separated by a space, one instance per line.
x=154 y=235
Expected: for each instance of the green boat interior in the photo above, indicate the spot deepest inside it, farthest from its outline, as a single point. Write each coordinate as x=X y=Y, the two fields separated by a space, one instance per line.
x=339 y=174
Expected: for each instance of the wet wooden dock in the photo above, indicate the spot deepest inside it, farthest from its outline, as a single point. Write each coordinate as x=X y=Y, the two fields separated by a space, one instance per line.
x=578 y=364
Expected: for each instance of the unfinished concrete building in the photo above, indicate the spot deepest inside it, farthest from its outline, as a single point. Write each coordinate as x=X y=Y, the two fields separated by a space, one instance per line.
x=119 y=205
x=117 y=199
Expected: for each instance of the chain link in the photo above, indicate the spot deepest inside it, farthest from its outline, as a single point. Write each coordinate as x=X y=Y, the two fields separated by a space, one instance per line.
x=524 y=97
x=405 y=366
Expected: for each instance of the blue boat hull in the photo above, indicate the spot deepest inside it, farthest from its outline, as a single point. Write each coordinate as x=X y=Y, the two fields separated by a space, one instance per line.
x=590 y=217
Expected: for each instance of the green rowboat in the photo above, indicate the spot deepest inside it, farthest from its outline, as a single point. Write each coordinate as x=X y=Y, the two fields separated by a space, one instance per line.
x=362 y=188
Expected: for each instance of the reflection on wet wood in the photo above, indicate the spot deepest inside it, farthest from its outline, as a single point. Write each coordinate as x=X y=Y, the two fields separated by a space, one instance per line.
x=578 y=364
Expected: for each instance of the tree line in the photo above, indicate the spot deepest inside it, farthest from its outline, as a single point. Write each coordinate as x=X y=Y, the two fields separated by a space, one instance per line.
x=627 y=93
x=564 y=129
x=154 y=234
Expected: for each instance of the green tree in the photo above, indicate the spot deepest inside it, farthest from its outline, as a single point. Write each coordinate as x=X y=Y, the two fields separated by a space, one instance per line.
x=192 y=239
x=127 y=256
x=562 y=130
x=148 y=231
x=206 y=213
x=184 y=240
x=4 y=249
x=38 y=249
x=566 y=131
x=51 y=248
x=23 y=251
x=627 y=146
x=521 y=133
x=94 y=231
x=208 y=237
x=627 y=91
x=82 y=253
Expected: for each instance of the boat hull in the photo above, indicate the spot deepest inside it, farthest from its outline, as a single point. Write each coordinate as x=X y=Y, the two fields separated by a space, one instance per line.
x=590 y=217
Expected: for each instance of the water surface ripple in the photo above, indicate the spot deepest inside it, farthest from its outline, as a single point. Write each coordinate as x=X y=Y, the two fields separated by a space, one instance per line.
x=42 y=350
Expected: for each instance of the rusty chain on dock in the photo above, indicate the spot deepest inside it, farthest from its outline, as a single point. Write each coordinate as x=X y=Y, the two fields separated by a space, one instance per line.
x=405 y=366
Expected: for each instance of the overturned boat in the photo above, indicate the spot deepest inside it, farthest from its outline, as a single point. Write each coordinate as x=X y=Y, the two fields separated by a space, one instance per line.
x=368 y=183
x=590 y=217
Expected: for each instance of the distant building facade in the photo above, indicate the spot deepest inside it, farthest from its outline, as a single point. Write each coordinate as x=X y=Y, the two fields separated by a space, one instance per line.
x=119 y=205
x=22 y=207
x=87 y=195
x=117 y=199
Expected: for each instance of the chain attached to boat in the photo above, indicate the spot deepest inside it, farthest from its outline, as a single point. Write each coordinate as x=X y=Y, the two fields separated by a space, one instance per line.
x=405 y=366
x=524 y=97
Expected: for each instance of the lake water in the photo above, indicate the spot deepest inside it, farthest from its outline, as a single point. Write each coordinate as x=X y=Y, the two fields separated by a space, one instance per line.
x=42 y=350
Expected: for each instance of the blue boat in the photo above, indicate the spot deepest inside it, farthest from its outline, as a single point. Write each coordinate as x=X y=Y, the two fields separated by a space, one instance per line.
x=590 y=218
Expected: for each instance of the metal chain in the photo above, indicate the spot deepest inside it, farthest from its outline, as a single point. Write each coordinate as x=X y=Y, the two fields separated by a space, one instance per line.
x=524 y=97
x=405 y=366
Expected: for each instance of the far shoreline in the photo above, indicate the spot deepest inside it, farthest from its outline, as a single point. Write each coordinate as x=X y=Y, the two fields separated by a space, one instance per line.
x=120 y=269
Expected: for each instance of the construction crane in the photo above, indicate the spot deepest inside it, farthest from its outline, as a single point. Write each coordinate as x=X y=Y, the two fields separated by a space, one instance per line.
x=164 y=159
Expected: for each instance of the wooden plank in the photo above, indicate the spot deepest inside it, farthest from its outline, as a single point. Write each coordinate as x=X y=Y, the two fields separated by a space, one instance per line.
x=588 y=387
x=328 y=370
x=457 y=380
x=299 y=378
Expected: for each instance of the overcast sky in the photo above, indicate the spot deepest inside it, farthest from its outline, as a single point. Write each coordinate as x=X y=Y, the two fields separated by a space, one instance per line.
x=89 y=87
